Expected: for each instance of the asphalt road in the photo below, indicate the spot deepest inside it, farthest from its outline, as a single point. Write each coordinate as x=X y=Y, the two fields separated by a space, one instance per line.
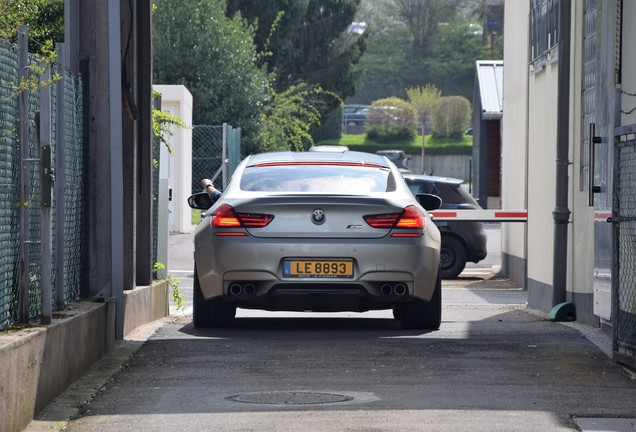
x=492 y=366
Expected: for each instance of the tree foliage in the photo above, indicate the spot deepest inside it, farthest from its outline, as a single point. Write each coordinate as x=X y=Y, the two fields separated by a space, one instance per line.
x=423 y=100
x=198 y=46
x=44 y=19
x=443 y=54
x=306 y=41
x=289 y=117
x=423 y=18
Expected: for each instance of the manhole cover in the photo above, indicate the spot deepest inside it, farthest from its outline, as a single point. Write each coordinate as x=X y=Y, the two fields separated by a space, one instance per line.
x=290 y=398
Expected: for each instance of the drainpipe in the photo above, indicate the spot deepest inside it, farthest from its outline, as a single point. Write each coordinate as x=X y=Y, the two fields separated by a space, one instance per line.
x=561 y=212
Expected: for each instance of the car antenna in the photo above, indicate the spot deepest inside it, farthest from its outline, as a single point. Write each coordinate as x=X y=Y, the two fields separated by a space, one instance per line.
x=434 y=166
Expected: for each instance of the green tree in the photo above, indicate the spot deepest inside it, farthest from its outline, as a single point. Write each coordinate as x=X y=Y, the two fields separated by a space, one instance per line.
x=198 y=46
x=289 y=116
x=423 y=99
x=423 y=18
x=393 y=63
x=306 y=41
x=44 y=19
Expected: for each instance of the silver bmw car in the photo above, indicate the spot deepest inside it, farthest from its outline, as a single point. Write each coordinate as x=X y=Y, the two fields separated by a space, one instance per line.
x=317 y=231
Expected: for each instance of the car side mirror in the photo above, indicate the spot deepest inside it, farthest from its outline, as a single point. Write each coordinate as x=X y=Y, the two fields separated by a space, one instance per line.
x=428 y=201
x=200 y=201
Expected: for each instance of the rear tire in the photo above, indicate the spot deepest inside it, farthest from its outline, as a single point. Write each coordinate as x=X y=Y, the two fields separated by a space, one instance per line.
x=453 y=257
x=216 y=312
x=419 y=314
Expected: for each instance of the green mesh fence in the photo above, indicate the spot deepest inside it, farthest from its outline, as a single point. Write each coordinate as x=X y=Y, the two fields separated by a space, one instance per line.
x=75 y=214
x=9 y=177
x=207 y=155
x=76 y=190
x=625 y=246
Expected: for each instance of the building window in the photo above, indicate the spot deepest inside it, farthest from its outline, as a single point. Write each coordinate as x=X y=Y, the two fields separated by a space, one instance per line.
x=544 y=30
x=590 y=48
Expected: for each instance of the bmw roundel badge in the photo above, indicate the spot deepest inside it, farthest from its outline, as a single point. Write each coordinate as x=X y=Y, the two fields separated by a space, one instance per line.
x=318 y=217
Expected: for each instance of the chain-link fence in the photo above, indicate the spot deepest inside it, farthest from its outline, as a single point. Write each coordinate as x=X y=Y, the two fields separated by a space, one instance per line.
x=624 y=217
x=207 y=154
x=69 y=213
x=76 y=203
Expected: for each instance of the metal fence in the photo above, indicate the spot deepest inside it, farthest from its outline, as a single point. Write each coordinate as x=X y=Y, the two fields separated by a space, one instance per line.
x=69 y=203
x=624 y=218
x=211 y=145
x=9 y=175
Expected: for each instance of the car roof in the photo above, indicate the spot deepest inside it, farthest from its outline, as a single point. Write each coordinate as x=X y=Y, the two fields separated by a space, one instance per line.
x=318 y=156
x=422 y=177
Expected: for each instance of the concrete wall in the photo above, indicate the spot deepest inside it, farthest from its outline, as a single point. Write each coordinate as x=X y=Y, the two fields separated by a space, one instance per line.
x=529 y=133
x=177 y=100
x=37 y=363
x=542 y=120
x=455 y=166
x=514 y=145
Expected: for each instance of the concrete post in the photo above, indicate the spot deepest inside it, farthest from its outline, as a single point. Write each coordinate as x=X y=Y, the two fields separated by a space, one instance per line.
x=144 y=144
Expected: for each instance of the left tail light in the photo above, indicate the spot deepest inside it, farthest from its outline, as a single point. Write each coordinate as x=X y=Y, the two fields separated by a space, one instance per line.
x=226 y=217
x=411 y=218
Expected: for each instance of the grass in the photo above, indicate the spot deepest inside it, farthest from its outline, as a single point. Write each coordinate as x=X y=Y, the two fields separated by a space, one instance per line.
x=360 y=142
x=196 y=216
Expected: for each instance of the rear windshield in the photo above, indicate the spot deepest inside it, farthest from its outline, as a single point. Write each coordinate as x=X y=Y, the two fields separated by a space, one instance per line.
x=449 y=193
x=454 y=194
x=324 y=179
x=393 y=156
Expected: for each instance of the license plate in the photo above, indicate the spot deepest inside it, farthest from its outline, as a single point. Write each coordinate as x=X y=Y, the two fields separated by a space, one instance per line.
x=318 y=268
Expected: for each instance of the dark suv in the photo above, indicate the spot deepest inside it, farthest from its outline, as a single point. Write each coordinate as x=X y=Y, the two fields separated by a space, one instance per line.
x=462 y=241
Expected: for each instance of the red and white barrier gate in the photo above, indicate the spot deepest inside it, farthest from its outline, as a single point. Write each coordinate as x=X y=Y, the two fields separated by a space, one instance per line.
x=480 y=215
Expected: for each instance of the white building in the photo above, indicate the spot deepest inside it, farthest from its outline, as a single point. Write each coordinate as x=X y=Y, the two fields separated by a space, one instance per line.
x=586 y=261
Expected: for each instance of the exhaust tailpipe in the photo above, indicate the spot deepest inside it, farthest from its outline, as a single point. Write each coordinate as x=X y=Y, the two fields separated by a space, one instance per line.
x=386 y=289
x=400 y=289
x=249 y=289
x=236 y=289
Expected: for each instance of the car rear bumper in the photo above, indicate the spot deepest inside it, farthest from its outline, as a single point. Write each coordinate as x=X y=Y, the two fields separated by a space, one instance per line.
x=477 y=250
x=249 y=272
